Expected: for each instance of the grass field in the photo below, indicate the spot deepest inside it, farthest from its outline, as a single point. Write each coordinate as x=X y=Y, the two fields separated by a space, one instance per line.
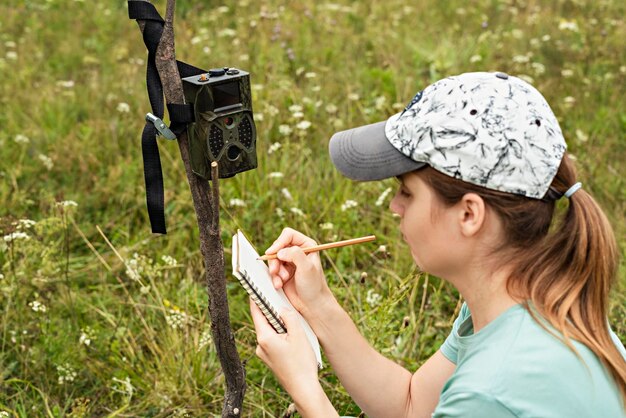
x=100 y=318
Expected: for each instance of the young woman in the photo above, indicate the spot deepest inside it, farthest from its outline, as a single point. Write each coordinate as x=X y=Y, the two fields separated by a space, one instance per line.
x=481 y=161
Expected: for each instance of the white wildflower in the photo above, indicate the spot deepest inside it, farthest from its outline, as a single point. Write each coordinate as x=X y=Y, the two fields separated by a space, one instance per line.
x=196 y=40
x=348 y=204
x=205 y=339
x=310 y=74
x=327 y=226
x=295 y=108
x=257 y=87
x=303 y=125
x=521 y=59
x=538 y=67
x=285 y=130
x=566 y=72
x=259 y=117
x=123 y=386
x=274 y=147
x=331 y=108
x=383 y=196
x=297 y=211
x=475 y=58
x=25 y=224
x=546 y=38
x=1 y=276
x=242 y=57
x=21 y=139
x=581 y=136
x=272 y=110
x=517 y=33
x=86 y=336
x=123 y=107
x=134 y=268
x=67 y=203
x=37 y=306
x=10 y=44
x=353 y=97
x=380 y=102
x=11 y=55
x=237 y=203
x=4 y=414
x=568 y=25
x=569 y=101
x=46 y=161
x=14 y=236
x=169 y=260
x=286 y=194
x=227 y=33
x=298 y=115
x=280 y=213
x=373 y=298
x=223 y=9
x=177 y=319
x=67 y=374
x=276 y=175
x=144 y=290
x=66 y=84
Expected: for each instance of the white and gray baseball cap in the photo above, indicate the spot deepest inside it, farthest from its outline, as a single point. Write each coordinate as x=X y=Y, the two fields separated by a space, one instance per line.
x=488 y=129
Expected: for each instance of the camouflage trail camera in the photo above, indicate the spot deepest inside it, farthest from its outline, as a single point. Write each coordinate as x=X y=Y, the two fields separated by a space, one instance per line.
x=224 y=129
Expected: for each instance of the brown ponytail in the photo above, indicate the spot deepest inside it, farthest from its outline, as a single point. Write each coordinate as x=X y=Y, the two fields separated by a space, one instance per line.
x=565 y=268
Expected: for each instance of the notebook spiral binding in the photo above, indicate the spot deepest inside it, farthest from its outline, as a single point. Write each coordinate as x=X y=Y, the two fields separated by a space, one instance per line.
x=260 y=300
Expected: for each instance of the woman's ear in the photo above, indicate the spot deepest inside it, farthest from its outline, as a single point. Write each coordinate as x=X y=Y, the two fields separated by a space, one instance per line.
x=472 y=213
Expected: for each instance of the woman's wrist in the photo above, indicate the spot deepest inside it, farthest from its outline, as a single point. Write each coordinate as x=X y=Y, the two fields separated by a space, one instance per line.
x=313 y=403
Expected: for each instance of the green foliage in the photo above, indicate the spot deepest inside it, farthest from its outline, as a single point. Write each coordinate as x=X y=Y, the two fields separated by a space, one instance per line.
x=99 y=318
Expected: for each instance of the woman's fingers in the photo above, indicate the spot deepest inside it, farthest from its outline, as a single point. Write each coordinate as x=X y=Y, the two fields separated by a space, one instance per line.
x=261 y=325
x=289 y=238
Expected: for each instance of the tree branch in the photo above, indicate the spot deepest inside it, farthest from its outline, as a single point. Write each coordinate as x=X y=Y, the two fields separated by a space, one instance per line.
x=206 y=205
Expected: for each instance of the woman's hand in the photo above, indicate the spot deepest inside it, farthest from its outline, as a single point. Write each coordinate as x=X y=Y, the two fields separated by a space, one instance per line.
x=289 y=356
x=299 y=274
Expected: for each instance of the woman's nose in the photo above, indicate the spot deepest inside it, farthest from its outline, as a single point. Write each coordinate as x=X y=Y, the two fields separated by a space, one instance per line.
x=394 y=206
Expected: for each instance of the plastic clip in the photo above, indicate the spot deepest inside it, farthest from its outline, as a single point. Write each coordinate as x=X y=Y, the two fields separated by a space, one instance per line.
x=160 y=126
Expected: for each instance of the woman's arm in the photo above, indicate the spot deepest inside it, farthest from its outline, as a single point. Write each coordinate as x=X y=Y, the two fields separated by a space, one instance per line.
x=293 y=363
x=378 y=385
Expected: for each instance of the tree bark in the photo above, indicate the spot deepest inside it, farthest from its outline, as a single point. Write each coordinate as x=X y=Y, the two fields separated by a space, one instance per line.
x=206 y=204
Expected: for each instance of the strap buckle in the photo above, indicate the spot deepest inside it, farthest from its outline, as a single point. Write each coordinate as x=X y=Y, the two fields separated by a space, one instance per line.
x=160 y=126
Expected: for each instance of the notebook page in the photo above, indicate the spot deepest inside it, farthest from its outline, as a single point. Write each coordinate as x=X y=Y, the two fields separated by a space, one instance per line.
x=246 y=259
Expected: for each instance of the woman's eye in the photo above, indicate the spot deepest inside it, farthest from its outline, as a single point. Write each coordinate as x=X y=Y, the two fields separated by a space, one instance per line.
x=404 y=192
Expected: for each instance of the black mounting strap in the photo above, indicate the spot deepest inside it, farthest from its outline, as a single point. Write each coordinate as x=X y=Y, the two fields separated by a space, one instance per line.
x=180 y=114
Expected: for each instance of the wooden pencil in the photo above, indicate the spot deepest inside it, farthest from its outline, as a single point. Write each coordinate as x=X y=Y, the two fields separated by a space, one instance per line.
x=326 y=246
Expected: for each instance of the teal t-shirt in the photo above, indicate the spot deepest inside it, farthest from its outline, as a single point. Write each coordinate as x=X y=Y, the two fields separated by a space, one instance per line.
x=514 y=368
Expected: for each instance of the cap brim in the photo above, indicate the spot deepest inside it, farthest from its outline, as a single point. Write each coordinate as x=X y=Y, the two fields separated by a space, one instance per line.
x=365 y=154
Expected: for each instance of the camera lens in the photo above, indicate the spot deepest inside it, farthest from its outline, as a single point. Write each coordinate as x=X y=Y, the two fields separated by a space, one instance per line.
x=228 y=121
x=233 y=152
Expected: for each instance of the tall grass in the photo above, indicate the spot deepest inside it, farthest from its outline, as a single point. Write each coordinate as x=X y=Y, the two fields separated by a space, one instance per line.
x=100 y=318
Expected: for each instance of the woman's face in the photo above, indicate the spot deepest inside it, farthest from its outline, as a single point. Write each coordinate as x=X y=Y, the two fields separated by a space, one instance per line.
x=426 y=225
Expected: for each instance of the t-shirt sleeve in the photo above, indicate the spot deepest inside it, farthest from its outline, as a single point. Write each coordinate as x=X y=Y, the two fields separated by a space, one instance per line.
x=471 y=405
x=450 y=346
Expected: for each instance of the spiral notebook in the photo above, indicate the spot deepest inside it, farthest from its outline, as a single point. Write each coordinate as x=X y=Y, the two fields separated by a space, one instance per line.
x=254 y=276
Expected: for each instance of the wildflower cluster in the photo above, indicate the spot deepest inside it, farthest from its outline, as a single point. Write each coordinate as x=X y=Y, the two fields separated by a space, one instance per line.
x=177 y=319
x=66 y=373
x=373 y=298
x=205 y=339
x=37 y=306
x=87 y=335
x=123 y=386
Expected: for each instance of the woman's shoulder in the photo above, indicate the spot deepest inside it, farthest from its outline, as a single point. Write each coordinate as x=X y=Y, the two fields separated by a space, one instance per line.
x=517 y=361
